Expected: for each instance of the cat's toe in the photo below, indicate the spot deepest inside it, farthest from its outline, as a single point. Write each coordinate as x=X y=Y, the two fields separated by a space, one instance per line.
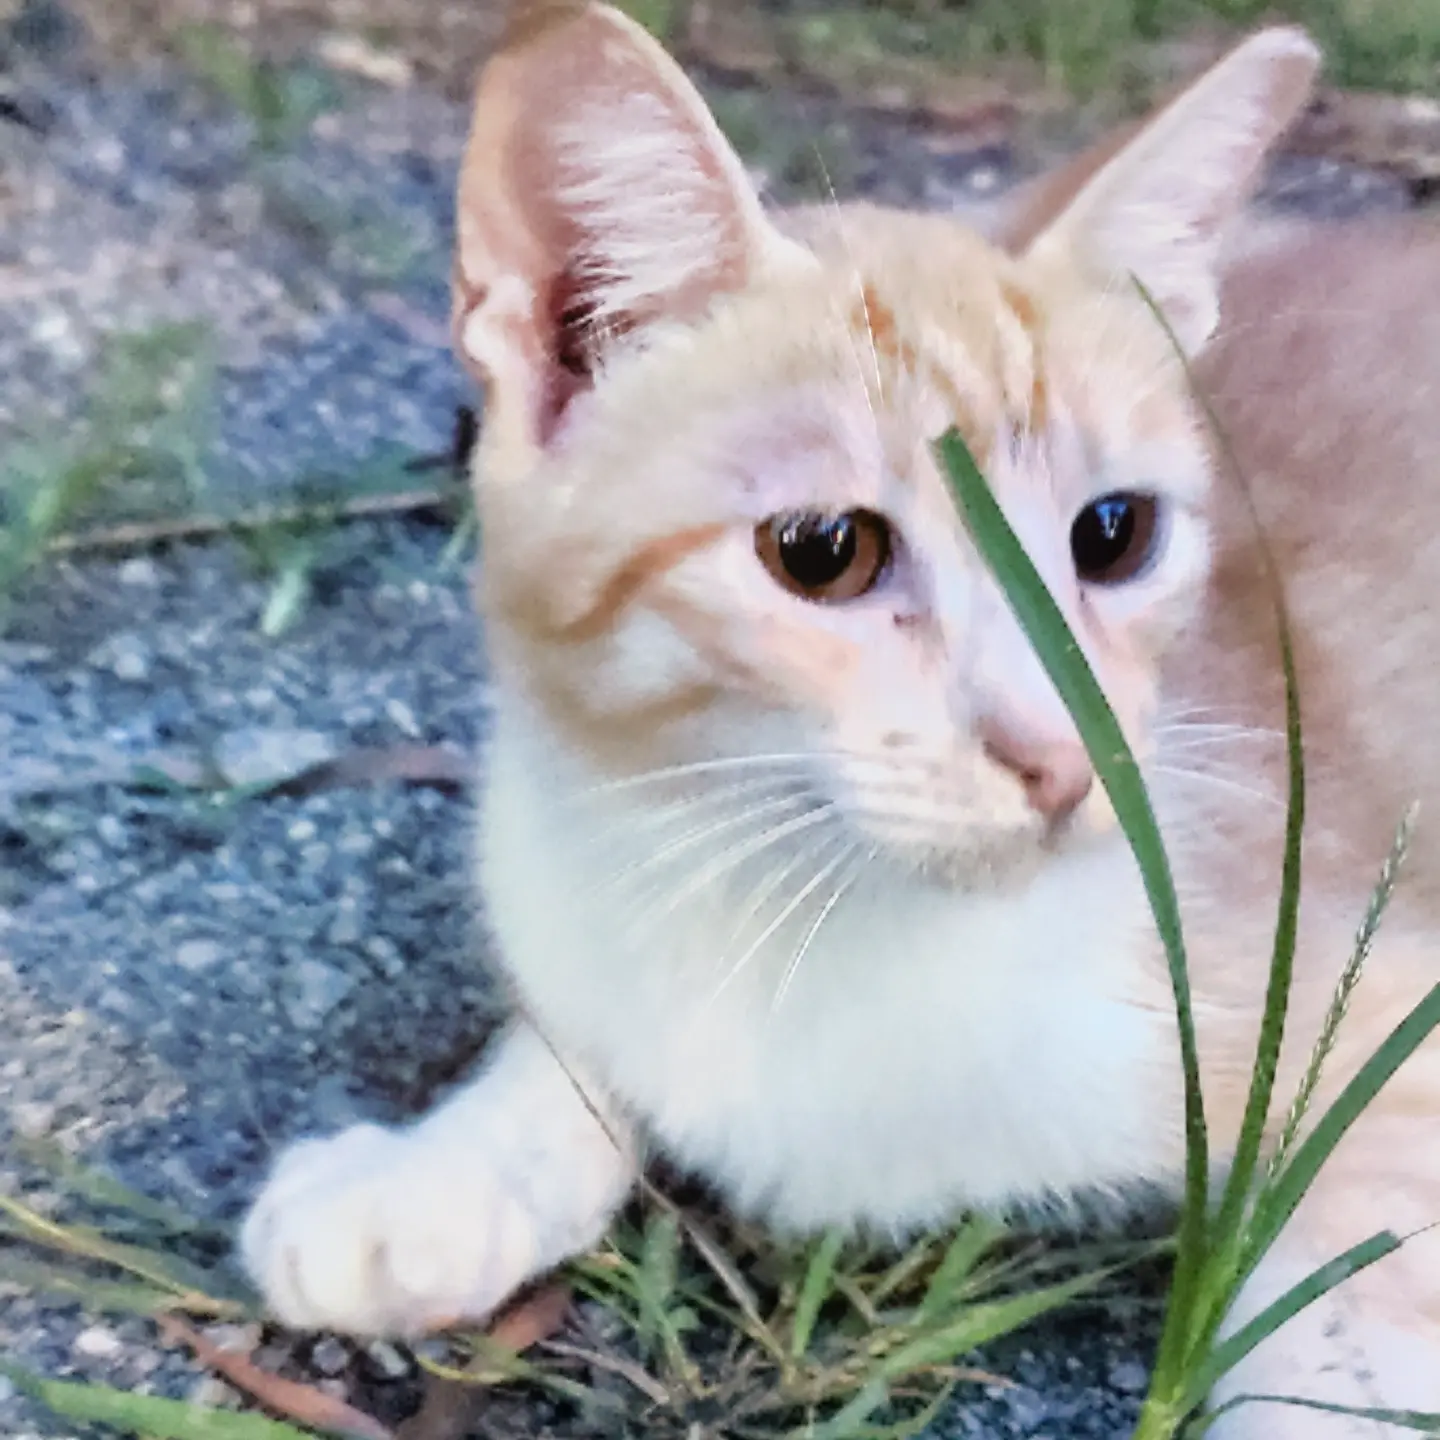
x=374 y=1232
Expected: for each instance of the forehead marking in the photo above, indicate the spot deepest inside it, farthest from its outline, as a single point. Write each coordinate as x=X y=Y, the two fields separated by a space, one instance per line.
x=1022 y=307
x=876 y=325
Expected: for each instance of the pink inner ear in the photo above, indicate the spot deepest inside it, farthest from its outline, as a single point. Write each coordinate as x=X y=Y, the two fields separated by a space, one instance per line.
x=596 y=197
x=573 y=342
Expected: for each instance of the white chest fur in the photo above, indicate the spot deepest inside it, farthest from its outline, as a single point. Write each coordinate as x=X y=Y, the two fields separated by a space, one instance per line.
x=934 y=1049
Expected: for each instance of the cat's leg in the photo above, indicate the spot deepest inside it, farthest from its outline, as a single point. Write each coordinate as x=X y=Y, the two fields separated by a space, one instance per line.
x=393 y=1232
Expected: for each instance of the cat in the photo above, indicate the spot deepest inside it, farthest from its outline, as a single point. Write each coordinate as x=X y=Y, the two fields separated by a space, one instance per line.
x=796 y=864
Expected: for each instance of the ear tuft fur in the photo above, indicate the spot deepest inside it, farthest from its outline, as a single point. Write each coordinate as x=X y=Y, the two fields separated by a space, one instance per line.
x=597 y=196
x=1157 y=207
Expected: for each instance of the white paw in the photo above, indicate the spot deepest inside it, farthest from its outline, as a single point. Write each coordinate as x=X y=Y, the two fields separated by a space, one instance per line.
x=381 y=1232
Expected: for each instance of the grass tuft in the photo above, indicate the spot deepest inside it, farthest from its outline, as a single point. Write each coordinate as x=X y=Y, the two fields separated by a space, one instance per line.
x=1220 y=1244
x=281 y=102
x=140 y=443
x=687 y=1319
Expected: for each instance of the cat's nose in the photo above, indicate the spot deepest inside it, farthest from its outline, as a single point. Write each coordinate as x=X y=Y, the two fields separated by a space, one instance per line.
x=1056 y=773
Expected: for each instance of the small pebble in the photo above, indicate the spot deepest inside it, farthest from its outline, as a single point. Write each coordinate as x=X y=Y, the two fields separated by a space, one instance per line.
x=140 y=571
x=212 y=1393
x=98 y=1343
x=387 y=1360
x=1129 y=1376
x=33 y=1119
x=329 y=1356
x=319 y=988
x=126 y=656
x=403 y=718
x=259 y=755
x=197 y=955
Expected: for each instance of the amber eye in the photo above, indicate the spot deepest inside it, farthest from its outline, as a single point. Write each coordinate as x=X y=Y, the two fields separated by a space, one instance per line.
x=826 y=558
x=1115 y=537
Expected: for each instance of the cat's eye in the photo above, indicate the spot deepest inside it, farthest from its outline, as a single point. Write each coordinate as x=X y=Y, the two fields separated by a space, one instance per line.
x=824 y=557
x=1115 y=537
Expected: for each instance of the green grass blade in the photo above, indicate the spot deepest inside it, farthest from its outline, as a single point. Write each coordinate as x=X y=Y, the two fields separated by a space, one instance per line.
x=87 y=1183
x=1426 y=1422
x=1226 y=1355
x=849 y=1420
x=912 y=1263
x=1217 y=1283
x=728 y=1274
x=972 y=1241
x=1114 y=763
x=911 y=1426
x=44 y=1279
x=1279 y=1197
x=187 y=1282
x=979 y=1324
x=144 y=1414
x=657 y=1278
x=814 y=1291
x=659 y=1268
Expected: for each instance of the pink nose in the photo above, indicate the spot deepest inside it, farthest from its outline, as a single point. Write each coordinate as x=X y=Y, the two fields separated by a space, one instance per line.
x=1057 y=774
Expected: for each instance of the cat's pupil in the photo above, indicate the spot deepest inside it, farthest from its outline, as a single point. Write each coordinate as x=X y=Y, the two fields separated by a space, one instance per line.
x=817 y=549
x=823 y=556
x=1113 y=538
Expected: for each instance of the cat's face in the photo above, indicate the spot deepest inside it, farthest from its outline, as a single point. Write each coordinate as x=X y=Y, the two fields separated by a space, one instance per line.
x=716 y=534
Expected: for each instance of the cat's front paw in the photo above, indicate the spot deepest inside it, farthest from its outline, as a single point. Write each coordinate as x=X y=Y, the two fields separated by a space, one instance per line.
x=382 y=1232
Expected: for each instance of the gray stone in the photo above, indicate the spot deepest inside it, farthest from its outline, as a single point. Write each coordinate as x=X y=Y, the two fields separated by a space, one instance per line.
x=198 y=955
x=140 y=571
x=98 y=1343
x=318 y=989
x=126 y=656
x=329 y=1356
x=260 y=755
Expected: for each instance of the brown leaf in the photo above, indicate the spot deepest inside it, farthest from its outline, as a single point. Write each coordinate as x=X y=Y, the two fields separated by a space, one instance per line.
x=533 y=1319
x=412 y=764
x=286 y=1398
x=450 y=1406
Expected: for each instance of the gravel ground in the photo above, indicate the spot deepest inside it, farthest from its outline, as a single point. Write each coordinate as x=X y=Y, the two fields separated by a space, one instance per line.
x=185 y=986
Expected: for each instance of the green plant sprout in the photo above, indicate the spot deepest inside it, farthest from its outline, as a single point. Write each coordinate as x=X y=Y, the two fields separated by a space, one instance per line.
x=147 y=425
x=1219 y=1244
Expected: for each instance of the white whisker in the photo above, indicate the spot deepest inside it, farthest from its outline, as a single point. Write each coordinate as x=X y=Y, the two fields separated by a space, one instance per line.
x=770 y=886
x=816 y=925
x=733 y=857
x=1217 y=782
x=803 y=894
x=706 y=767
x=698 y=836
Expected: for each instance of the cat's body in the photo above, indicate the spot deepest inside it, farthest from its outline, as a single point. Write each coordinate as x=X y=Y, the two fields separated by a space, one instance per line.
x=810 y=885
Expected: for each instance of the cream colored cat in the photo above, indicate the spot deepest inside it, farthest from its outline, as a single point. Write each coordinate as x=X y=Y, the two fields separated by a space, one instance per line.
x=792 y=853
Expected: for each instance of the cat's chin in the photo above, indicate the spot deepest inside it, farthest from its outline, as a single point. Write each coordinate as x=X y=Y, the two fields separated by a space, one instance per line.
x=987 y=861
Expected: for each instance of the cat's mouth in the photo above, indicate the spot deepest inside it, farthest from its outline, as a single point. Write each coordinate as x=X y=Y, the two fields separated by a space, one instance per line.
x=981 y=855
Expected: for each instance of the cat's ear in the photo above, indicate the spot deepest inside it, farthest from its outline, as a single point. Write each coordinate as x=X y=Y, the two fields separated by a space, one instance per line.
x=597 y=196
x=1156 y=207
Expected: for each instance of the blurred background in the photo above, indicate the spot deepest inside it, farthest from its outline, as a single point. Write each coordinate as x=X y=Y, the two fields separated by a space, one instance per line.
x=229 y=219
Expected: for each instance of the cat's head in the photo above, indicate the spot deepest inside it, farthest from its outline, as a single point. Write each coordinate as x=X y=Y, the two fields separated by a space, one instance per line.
x=715 y=534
